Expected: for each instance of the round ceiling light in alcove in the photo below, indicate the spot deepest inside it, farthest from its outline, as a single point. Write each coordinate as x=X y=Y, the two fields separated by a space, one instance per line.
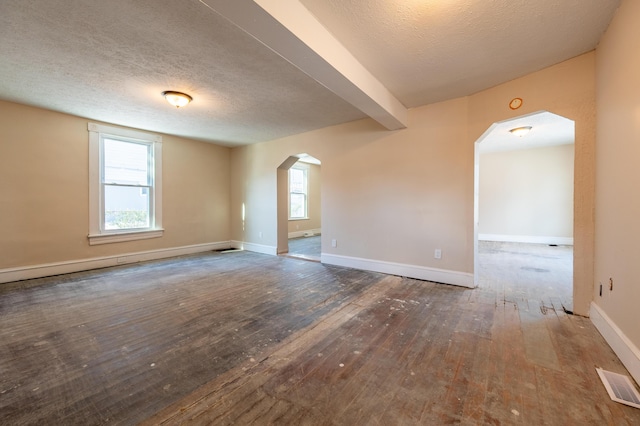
x=520 y=131
x=177 y=99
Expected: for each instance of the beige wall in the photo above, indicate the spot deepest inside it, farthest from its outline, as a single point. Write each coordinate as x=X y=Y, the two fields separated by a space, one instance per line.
x=44 y=192
x=313 y=202
x=568 y=90
x=618 y=171
x=527 y=193
x=385 y=195
x=397 y=196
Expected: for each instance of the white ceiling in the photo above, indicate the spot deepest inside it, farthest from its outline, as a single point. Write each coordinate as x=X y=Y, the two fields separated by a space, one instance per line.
x=547 y=129
x=264 y=69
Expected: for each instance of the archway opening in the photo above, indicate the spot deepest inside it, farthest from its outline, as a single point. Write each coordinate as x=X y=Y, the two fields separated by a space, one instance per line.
x=299 y=207
x=523 y=208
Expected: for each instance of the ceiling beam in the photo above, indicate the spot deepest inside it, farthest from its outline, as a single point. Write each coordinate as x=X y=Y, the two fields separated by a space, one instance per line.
x=291 y=31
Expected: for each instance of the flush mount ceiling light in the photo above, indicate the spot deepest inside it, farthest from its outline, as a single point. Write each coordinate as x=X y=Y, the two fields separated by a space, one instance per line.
x=520 y=131
x=177 y=99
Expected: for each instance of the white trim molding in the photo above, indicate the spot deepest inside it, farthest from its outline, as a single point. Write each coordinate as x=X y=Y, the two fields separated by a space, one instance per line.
x=258 y=248
x=97 y=233
x=444 y=276
x=307 y=233
x=49 y=269
x=124 y=236
x=531 y=239
x=624 y=348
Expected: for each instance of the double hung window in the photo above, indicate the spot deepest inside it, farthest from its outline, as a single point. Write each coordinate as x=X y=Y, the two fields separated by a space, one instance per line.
x=125 y=187
x=298 y=189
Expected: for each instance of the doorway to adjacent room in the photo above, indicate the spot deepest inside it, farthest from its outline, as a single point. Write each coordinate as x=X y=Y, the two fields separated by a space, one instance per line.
x=523 y=209
x=299 y=207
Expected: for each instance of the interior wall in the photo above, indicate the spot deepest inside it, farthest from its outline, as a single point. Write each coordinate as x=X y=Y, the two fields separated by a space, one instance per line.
x=617 y=173
x=396 y=196
x=391 y=196
x=314 y=203
x=527 y=195
x=566 y=89
x=44 y=202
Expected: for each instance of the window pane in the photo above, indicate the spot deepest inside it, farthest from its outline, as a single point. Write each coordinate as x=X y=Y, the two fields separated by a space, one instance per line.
x=126 y=162
x=126 y=207
x=298 y=205
x=296 y=181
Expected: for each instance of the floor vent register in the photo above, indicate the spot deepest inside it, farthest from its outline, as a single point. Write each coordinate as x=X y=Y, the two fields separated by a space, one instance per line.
x=620 y=388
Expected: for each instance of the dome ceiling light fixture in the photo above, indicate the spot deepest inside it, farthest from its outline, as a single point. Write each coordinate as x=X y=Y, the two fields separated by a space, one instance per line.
x=520 y=131
x=177 y=99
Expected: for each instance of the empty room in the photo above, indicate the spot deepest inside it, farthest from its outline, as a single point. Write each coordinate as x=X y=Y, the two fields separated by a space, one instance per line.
x=306 y=212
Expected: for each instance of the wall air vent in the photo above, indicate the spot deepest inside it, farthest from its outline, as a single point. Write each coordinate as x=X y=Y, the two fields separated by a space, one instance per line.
x=620 y=388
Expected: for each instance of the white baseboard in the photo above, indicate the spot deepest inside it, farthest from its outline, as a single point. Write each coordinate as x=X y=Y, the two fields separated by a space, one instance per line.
x=628 y=353
x=531 y=239
x=258 y=248
x=298 y=234
x=49 y=269
x=412 y=271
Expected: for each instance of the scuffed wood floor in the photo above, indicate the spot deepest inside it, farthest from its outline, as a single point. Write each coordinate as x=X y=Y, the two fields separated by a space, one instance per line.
x=243 y=338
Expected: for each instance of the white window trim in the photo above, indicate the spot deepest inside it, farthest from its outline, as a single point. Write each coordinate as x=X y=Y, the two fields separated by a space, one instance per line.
x=305 y=167
x=96 y=234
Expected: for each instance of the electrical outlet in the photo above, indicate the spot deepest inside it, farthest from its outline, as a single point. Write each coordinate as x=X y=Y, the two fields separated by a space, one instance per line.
x=438 y=254
x=260 y=234
x=334 y=243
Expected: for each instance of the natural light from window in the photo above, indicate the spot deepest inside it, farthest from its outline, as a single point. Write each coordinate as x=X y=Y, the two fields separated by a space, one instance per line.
x=127 y=182
x=297 y=193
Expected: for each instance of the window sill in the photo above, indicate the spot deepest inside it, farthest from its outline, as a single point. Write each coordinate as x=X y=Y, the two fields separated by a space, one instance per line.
x=298 y=218
x=95 y=239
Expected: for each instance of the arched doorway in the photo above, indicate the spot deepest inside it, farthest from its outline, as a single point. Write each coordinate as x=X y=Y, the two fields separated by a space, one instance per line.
x=523 y=208
x=299 y=207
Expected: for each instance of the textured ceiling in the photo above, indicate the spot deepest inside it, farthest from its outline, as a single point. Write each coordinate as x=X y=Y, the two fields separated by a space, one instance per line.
x=426 y=51
x=109 y=60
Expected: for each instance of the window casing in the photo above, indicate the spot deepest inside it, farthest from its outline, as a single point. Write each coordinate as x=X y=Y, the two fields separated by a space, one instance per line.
x=298 y=192
x=125 y=188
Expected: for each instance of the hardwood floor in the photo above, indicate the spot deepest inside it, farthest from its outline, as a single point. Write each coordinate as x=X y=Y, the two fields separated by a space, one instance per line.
x=119 y=344
x=520 y=272
x=244 y=338
x=307 y=248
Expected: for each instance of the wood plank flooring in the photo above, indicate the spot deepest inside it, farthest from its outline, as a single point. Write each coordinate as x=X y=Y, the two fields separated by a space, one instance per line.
x=308 y=248
x=521 y=273
x=119 y=344
x=244 y=338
